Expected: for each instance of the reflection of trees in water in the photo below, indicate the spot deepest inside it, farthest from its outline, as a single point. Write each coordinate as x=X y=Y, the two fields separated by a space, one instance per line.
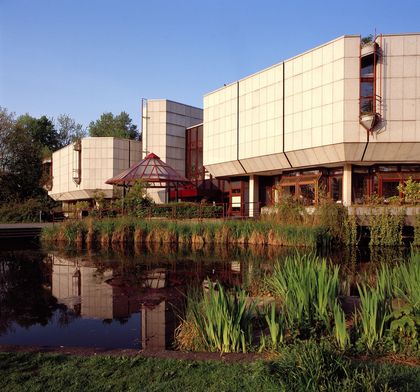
x=24 y=290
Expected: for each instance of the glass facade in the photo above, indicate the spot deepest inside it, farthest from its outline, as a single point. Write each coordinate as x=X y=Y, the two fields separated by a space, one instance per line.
x=381 y=181
x=204 y=186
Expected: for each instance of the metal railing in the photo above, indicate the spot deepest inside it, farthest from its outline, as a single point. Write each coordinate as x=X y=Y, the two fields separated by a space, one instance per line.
x=168 y=211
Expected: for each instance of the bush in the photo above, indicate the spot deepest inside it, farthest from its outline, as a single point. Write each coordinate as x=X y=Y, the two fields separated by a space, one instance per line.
x=183 y=210
x=411 y=191
x=385 y=226
x=26 y=211
x=289 y=211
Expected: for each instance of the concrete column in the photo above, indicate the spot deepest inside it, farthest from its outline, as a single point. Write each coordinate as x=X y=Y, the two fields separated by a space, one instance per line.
x=253 y=195
x=347 y=184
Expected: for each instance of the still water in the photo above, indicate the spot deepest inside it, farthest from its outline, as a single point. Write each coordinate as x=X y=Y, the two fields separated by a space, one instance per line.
x=128 y=298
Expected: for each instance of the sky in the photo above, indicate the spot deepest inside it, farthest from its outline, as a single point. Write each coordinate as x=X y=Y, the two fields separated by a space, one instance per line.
x=87 y=57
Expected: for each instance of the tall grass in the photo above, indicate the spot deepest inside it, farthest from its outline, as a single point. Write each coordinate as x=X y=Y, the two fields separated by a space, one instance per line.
x=406 y=281
x=341 y=333
x=374 y=313
x=218 y=320
x=308 y=289
x=123 y=229
x=276 y=326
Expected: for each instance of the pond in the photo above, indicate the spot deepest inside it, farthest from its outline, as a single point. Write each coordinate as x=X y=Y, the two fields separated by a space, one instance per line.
x=130 y=298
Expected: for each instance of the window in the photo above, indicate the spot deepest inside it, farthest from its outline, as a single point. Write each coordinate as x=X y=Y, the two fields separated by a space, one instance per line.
x=390 y=188
x=303 y=185
x=336 y=188
x=367 y=84
x=289 y=190
x=307 y=193
x=366 y=66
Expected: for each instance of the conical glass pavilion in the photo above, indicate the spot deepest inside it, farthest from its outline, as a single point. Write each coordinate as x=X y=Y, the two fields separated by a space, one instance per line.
x=153 y=171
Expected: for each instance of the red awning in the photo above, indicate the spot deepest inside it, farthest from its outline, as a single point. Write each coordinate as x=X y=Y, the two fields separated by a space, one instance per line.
x=153 y=171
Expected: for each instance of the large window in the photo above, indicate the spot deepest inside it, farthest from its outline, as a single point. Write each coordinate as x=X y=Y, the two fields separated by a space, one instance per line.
x=367 y=83
x=382 y=181
x=194 y=168
x=204 y=185
x=301 y=185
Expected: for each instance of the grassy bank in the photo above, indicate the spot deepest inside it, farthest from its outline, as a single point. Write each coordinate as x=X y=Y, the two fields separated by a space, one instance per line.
x=136 y=230
x=307 y=367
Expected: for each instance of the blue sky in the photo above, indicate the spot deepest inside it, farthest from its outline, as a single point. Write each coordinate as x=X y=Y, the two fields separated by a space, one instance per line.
x=86 y=57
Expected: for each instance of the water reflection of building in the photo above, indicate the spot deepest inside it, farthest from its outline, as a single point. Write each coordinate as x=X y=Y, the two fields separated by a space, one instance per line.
x=157 y=325
x=83 y=288
x=96 y=293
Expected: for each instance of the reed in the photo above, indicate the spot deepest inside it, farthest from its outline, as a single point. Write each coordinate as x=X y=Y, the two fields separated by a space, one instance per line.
x=406 y=277
x=133 y=229
x=276 y=326
x=50 y=233
x=74 y=232
x=374 y=313
x=308 y=289
x=341 y=333
x=221 y=321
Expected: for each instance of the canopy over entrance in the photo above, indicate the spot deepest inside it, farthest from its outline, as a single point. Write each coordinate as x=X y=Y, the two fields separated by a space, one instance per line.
x=153 y=171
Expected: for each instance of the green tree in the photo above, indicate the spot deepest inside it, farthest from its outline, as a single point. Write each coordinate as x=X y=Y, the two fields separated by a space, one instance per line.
x=41 y=130
x=68 y=130
x=7 y=122
x=117 y=126
x=20 y=166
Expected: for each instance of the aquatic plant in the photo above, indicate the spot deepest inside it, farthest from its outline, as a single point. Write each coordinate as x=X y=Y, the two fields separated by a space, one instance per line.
x=308 y=289
x=50 y=233
x=373 y=315
x=406 y=280
x=74 y=232
x=276 y=326
x=350 y=230
x=222 y=320
x=332 y=216
x=341 y=333
x=252 y=232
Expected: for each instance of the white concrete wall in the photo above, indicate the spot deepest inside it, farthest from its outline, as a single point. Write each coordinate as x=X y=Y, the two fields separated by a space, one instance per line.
x=399 y=87
x=101 y=159
x=322 y=104
x=164 y=125
x=321 y=111
x=315 y=112
x=220 y=118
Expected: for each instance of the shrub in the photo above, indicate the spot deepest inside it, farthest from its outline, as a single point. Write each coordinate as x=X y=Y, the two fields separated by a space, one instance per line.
x=385 y=226
x=26 y=211
x=411 y=191
x=332 y=216
x=289 y=211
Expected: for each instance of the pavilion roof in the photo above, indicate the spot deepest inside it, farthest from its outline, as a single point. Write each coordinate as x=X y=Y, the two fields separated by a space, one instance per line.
x=153 y=171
